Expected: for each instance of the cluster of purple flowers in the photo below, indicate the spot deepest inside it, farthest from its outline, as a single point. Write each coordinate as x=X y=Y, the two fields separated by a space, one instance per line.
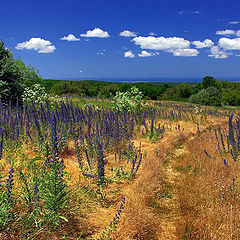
x=10 y=183
x=100 y=163
x=232 y=138
x=225 y=163
x=36 y=195
x=1 y=142
x=54 y=139
x=115 y=220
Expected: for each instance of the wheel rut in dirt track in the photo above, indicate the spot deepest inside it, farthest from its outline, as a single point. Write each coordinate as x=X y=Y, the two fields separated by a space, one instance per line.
x=152 y=202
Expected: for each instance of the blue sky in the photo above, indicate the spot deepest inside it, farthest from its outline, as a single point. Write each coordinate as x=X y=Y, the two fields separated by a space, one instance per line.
x=124 y=39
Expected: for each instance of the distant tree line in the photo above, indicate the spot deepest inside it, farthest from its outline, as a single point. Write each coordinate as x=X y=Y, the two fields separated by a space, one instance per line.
x=15 y=78
x=209 y=92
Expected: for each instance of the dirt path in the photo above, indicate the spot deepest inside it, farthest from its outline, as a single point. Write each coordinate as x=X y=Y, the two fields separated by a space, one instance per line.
x=172 y=218
x=152 y=205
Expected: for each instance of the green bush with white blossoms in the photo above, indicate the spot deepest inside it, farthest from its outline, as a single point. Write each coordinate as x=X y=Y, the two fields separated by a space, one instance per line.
x=37 y=95
x=130 y=100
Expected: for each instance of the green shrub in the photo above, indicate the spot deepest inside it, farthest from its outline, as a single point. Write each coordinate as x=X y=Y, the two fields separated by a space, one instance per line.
x=130 y=100
x=178 y=93
x=35 y=94
x=232 y=98
x=209 y=96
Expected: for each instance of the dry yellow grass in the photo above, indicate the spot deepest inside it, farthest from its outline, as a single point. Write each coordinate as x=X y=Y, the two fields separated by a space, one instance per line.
x=176 y=193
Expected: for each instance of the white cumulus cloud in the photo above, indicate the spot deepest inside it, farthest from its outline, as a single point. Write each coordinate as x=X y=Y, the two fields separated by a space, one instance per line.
x=161 y=43
x=96 y=32
x=216 y=52
x=70 y=37
x=229 y=44
x=225 y=32
x=206 y=43
x=238 y=33
x=39 y=44
x=129 y=54
x=147 y=54
x=187 y=52
x=127 y=33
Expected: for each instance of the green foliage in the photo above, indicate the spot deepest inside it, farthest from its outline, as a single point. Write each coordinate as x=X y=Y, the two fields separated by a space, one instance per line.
x=14 y=76
x=178 y=93
x=209 y=96
x=102 y=89
x=6 y=201
x=108 y=90
x=130 y=100
x=151 y=91
x=6 y=213
x=197 y=88
x=232 y=98
x=11 y=80
x=230 y=93
x=209 y=81
x=53 y=190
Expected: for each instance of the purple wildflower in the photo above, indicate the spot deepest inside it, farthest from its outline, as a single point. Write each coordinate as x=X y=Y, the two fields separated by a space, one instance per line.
x=226 y=163
x=10 y=183
x=36 y=194
x=88 y=175
x=100 y=164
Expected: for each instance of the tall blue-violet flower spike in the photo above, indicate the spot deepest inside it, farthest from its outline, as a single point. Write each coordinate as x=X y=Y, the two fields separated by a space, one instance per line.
x=1 y=142
x=100 y=163
x=54 y=139
x=10 y=183
x=133 y=163
x=36 y=195
x=205 y=151
x=234 y=151
x=139 y=162
x=226 y=163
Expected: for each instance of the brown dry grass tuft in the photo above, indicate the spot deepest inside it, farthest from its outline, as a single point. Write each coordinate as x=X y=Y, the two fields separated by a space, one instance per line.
x=209 y=206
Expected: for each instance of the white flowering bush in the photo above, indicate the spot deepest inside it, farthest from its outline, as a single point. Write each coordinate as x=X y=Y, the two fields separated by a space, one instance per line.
x=130 y=100
x=35 y=94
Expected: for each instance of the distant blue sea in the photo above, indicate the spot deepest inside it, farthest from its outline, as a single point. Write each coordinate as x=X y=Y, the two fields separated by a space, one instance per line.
x=156 y=80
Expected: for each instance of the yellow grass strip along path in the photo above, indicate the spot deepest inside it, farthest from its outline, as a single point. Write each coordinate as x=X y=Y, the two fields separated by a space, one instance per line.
x=152 y=209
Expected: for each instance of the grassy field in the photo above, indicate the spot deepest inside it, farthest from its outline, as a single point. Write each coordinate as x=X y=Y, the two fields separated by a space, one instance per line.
x=81 y=170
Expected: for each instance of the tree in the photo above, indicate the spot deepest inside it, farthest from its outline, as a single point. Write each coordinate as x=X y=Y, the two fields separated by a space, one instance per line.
x=209 y=81
x=14 y=76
